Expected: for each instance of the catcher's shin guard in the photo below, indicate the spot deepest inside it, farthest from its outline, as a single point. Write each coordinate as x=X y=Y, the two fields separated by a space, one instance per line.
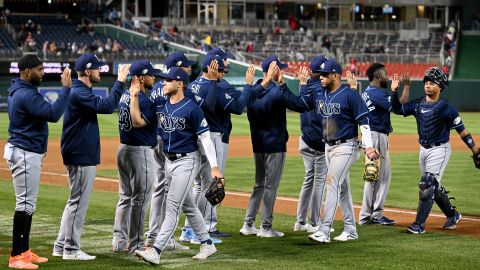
x=443 y=201
x=427 y=186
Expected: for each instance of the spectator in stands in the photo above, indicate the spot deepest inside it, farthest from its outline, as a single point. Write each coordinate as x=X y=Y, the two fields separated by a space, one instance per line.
x=117 y=47
x=109 y=44
x=158 y=24
x=249 y=47
x=53 y=48
x=353 y=66
x=299 y=56
x=193 y=38
x=39 y=29
x=74 y=48
x=174 y=30
x=277 y=30
x=30 y=26
x=326 y=42
x=113 y=15
x=293 y=23
x=476 y=22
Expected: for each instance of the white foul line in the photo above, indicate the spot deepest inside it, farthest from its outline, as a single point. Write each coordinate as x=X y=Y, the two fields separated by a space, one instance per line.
x=280 y=198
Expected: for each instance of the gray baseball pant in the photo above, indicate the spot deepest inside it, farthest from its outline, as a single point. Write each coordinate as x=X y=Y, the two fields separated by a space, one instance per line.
x=80 y=180
x=268 y=173
x=157 y=204
x=375 y=192
x=340 y=159
x=434 y=160
x=26 y=168
x=313 y=188
x=136 y=174
x=180 y=174
x=203 y=181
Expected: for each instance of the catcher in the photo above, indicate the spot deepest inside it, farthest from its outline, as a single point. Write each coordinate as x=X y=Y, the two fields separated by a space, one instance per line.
x=435 y=117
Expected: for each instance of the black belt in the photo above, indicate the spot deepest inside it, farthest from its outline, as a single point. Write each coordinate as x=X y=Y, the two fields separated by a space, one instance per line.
x=332 y=143
x=428 y=146
x=174 y=156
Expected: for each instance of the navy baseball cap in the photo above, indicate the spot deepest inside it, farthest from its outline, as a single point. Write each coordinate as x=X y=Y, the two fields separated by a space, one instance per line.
x=330 y=66
x=266 y=63
x=220 y=52
x=88 y=61
x=143 y=67
x=209 y=59
x=178 y=59
x=176 y=74
x=316 y=62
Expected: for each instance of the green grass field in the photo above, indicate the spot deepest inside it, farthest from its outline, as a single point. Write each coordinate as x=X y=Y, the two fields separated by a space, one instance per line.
x=109 y=125
x=378 y=247
x=461 y=178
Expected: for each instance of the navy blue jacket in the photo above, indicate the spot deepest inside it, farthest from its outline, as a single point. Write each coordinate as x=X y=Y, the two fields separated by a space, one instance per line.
x=267 y=117
x=310 y=122
x=29 y=113
x=80 y=133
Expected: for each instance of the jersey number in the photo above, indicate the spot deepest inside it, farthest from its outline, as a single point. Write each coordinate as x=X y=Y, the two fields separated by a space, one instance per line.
x=124 y=119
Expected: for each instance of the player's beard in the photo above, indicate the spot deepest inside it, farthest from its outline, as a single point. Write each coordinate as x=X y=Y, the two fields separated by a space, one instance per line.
x=94 y=79
x=35 y=81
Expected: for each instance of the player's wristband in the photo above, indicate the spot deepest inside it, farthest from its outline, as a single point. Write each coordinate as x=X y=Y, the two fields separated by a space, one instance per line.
x=468 y=140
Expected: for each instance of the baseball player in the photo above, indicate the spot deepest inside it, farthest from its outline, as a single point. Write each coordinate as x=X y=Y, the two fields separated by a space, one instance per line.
x=29 y=113
x=267 y=118
x=204 y=91
x=312 y=149
x=157 y=204
x=81 y=150
x=135 y=161
x=379 y=107
x=182 y=122
x=435 y=117
x=341 y=110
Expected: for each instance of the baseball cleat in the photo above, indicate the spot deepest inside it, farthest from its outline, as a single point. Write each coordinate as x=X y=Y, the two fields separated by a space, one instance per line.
x=345 y=236
x=319 y=237
x=173 y=245
x=451 y=222
x=187 y=234
x=206 y=251
x=77 y=255
x=218 y=233
x=382 y=221
x=248 y=230
x=19 y=262
x=33 y=258
x=149 y=255
x=299 y=227
x=415 y=228
x=57 y=252
x=269 y=233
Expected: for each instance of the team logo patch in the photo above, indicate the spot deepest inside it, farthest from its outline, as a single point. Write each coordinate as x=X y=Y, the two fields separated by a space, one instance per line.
x=227 y=96
x=204 y=123
x=145 y=71
x=457 y=120
x=179 y=63
x=197 y=98
x=322 y=66
x=88 y=65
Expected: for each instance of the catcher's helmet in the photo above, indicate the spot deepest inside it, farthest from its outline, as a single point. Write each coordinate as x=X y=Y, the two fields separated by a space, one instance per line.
x=436 y=75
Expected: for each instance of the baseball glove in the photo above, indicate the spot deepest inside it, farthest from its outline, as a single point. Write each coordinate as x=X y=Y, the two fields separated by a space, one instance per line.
x=372 y=169
x=476 y=159
x=216 y=191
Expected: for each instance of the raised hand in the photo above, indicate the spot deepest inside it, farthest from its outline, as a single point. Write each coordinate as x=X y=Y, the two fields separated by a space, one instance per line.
x=66 y=77
x=405 y=78
x=395 y=82
x=250 y=75
x=303 y=75
x=134 y=87
x=351 y=80
x=212 y=73
x=122 y=75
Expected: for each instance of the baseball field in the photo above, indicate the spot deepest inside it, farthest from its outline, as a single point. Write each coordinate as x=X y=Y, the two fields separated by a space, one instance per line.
x=378 y=247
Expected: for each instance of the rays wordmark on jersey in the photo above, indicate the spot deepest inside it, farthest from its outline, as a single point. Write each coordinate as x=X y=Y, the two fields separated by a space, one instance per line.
x=327 y=109
x=170 y=123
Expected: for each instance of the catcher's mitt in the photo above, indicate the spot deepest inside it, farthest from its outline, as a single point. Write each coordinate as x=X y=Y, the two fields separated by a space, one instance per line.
x=216 y=191
x=476 y=159
x=372 y=169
